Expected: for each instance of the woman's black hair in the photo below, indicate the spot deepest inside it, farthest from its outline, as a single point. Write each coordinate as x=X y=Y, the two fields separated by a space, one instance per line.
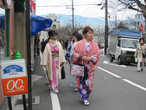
x=141 y=39
x=52 y=33
x=77 y=35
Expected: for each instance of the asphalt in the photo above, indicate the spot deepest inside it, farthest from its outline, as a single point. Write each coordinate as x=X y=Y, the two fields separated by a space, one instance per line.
x=109 y=92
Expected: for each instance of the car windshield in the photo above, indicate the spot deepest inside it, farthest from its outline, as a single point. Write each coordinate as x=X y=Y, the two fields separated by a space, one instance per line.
x=129 y=43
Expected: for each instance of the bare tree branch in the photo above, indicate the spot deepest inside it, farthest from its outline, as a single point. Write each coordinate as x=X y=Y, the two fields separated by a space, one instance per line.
x=140 y=5
x=131 y=4
x=136 y=9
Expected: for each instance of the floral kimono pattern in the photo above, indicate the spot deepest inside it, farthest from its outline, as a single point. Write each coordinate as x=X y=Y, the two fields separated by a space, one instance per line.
x=91 y=50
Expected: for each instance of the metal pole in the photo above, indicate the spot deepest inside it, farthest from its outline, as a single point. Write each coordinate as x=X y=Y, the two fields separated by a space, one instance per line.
x=27 y=2
x=106 y=27
x=116 y=23
x=7 y=12
x=72 y=14
x=9 y=103
x=24 y=102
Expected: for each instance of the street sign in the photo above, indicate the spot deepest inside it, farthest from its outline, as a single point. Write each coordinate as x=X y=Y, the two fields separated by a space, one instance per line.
x=14 y=77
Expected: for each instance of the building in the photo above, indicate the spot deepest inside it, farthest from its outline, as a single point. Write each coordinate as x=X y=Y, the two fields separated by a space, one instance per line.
x=56 y=23
x=7 y=33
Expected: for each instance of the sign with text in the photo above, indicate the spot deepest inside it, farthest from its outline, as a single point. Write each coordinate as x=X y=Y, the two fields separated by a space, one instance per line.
x=14 y=77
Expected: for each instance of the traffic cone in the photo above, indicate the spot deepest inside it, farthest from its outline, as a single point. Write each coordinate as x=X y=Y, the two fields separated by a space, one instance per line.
x=17 y=55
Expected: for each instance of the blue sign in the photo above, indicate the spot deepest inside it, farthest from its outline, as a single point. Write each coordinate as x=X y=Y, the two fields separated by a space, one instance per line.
x=12 y=69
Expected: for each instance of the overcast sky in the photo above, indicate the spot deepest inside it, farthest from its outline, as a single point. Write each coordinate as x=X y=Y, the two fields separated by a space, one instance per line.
x=44 y=7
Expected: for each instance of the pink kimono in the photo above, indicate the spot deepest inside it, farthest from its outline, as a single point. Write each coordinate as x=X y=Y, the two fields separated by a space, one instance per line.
x=91 y=49
x=55 y=65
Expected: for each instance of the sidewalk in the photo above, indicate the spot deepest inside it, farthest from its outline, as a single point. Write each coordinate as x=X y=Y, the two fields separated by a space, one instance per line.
x=40 y=88
x=40 y=94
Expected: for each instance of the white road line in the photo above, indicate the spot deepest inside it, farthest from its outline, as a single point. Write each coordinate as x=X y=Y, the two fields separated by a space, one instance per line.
x=125 y=80
x=55 y=102
x=115 y=75
x=106 y=62
x=134 y=84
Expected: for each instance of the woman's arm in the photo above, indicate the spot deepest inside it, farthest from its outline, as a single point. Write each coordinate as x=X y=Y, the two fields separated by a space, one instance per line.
x=95 y=58
x=75 y=53
x=45 y=56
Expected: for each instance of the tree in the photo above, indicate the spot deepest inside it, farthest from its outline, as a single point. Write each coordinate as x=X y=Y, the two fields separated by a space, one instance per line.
x=136 y=5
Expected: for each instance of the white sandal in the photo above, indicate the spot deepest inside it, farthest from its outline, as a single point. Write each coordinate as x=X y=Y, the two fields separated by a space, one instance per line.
x=86 y=102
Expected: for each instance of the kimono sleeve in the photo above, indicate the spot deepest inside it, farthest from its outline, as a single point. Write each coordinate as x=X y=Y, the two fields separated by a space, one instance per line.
x=75 y=53
x=96 y=56
x=45 y=56
x=62 y=53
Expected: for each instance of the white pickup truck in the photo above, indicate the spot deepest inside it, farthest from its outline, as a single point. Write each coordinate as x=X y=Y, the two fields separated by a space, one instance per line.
x=122 y=45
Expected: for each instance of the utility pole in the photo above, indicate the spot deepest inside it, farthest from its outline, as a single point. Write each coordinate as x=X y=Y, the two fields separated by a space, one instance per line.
x=28 y=44
x=106 y=27
x=72 y=15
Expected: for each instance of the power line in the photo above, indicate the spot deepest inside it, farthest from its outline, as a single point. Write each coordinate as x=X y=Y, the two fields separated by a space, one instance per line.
x=67 y=5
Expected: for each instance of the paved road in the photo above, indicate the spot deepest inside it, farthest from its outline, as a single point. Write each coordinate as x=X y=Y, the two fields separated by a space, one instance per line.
x=116 y=87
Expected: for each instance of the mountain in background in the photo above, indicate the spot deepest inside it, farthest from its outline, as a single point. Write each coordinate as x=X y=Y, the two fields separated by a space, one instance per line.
x=91 y=21
x=80 y=20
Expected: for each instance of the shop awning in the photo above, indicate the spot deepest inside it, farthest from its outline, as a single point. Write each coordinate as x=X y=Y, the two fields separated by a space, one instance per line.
x=38 y=24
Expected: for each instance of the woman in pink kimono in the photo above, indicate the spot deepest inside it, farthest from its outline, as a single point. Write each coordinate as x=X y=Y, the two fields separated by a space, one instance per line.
x=88 y=51
x=53 y=58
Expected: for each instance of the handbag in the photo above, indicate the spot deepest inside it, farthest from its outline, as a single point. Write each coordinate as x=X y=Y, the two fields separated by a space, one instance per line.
x=62 y=73
x=77 y=70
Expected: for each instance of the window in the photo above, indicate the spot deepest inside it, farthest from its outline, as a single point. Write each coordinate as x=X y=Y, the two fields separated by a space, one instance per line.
x=119 y=43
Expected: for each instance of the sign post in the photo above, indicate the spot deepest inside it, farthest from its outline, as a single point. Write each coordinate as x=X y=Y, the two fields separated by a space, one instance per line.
x=14 y=77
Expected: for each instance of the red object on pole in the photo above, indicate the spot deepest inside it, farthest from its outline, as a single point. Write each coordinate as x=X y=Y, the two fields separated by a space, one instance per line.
x=33 y=6
x=141 y=28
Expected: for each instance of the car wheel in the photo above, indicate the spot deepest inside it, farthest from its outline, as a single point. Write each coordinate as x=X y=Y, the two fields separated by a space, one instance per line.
x=119 y=61
x=111 y=58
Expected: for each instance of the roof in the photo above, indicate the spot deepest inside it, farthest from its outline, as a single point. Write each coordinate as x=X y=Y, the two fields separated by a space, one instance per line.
x=126 y=33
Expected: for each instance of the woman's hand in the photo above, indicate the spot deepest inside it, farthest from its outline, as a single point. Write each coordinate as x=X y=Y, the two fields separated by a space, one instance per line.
x=86 y=58
x=44 y=67
x=62 y=64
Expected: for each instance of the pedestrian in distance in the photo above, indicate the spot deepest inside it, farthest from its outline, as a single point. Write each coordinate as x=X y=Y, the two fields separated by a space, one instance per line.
x=43 y=45
x=76 y=37
x=53 y=58
x=140 y=54
x=37 y=46
x=88 y=51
